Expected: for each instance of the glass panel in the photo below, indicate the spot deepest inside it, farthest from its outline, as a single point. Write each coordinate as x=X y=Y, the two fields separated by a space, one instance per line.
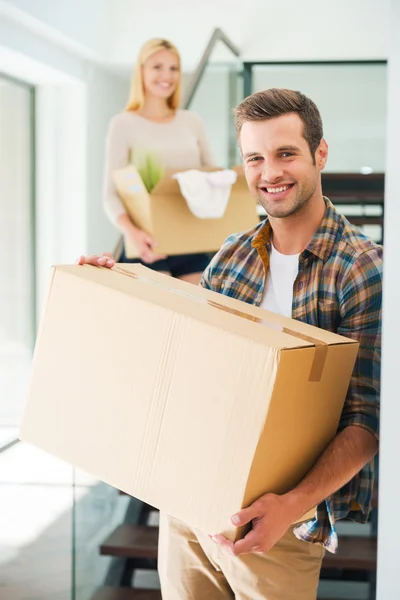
x=219 y=91
x=36 y=489
x=35 y=525
x=98 y=510
x=352 y=101
x=16 y=243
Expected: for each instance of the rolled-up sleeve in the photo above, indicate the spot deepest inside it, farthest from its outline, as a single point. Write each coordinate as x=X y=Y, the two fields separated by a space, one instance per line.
x=360 y=306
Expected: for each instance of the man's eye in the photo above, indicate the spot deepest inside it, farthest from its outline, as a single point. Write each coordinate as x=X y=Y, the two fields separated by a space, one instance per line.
x=286 y=154
x=254 y=158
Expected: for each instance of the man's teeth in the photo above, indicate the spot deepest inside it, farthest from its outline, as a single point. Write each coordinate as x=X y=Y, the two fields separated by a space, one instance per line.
x=278 y=190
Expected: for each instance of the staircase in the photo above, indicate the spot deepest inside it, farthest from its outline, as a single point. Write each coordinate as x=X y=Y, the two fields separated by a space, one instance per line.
x=137 y=545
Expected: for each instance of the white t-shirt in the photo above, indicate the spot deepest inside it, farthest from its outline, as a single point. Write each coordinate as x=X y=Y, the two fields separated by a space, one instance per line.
x=278 y=291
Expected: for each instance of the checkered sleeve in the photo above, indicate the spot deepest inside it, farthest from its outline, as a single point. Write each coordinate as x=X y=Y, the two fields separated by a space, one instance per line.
x=360 y=307
x=228 y=259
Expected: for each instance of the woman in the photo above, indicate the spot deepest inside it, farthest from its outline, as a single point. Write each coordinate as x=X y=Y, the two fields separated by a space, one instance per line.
x=153 y=125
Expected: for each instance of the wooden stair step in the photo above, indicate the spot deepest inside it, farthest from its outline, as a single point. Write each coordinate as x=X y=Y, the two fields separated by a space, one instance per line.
x=115 y=593
x=131 y=541
x=355 y=553
x=375 y=497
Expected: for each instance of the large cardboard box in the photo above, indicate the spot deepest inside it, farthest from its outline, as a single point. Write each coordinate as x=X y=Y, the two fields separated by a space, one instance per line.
x=189 y=400
x=164 y=214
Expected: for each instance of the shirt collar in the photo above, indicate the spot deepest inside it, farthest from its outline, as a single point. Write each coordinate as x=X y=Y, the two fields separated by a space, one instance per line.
x=325 y=237
x=323 y=240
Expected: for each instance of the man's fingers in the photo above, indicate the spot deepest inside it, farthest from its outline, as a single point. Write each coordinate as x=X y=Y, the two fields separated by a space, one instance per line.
x=96 y=261
x=250 y=543
x=245 y=515
x=105 y=261
x=93 y=260
x=222 y=541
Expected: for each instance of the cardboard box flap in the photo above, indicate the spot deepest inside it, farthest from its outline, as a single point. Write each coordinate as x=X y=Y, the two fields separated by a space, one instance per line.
x=167 y=186
x=126 y=178
x=139 y=281
x=188 y=302
x=299 y=329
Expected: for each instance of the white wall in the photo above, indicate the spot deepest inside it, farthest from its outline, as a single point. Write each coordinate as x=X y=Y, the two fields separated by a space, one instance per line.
x=211 y=103
x=263 y=29
x=113 y=30
x=106 y=96
x=317 y=30
x=76 y=100
x=389 y=482
x=82 y=22
x=61 y=181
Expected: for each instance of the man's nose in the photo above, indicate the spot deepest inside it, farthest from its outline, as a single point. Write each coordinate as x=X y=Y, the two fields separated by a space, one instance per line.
x=272 y=171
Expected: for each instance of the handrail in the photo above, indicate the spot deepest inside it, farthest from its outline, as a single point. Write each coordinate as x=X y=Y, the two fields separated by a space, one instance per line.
x=217 y=36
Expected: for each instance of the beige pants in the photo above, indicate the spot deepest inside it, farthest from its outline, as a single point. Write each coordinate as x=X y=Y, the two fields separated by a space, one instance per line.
x=192 y=567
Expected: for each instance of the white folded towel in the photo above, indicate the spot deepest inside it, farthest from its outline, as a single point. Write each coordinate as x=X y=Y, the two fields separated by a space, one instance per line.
x=206 y=193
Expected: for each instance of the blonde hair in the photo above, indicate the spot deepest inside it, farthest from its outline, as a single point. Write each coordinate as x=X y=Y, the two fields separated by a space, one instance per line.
x=136 y=97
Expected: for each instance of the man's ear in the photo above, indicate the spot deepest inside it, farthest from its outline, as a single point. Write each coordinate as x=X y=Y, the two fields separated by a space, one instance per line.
x=321 y=155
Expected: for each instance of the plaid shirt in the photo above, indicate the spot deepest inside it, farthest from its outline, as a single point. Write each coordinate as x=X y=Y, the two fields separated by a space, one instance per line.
x=338 y=288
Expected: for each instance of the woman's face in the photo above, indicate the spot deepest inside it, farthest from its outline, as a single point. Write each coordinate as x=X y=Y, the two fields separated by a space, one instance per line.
x=161 y=74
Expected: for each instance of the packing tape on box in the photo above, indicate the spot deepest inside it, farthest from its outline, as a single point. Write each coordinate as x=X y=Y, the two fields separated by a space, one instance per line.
x=321 y=348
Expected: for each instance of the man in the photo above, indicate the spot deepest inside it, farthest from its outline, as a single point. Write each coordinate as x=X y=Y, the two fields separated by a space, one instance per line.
x=306 y=261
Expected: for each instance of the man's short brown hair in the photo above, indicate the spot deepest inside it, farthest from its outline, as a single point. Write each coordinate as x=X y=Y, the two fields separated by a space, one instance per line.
x=276 y=102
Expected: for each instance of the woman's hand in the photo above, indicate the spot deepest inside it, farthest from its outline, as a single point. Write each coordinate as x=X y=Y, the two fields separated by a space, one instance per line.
x=143 y=242
x=145 y=245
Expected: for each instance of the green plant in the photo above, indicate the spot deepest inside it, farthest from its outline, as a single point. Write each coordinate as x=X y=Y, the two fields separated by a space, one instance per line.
x=149 y=168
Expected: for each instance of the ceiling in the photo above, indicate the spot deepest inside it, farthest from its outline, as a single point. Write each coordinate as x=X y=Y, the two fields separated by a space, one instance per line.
x=112 y=31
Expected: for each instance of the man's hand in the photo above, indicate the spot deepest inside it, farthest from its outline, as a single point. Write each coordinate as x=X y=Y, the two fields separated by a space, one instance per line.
x=270 y=516
x=105 y=260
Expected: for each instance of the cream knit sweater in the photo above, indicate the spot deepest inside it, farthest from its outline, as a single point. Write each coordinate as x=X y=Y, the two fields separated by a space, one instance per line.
x=179 y=144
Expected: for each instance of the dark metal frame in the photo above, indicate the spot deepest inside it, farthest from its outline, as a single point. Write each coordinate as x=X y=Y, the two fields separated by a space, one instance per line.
x=217 y=36
x=248 y=67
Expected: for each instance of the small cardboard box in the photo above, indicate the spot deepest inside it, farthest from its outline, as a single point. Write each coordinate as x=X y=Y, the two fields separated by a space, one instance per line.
x=192 y=401
x=164 y=214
